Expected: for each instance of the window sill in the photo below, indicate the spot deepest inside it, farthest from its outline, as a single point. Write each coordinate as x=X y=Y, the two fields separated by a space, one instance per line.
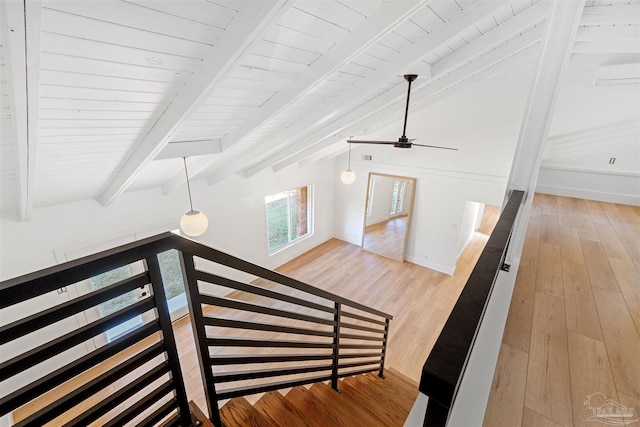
x=289 y=245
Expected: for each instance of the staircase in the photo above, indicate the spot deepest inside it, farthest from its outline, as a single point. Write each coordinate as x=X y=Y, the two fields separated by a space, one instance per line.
x=274 y=333
x=363 y=400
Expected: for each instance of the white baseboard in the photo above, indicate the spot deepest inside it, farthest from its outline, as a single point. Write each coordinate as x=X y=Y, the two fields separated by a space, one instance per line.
x=295 y=251
x=346 y=239
x=580 y=193
x=604 y=186
x=432 y=265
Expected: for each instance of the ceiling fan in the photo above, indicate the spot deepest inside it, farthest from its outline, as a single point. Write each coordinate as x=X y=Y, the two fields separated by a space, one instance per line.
x=403 y=141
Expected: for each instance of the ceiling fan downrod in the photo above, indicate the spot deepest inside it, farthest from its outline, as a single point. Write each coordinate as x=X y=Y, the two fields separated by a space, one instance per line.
x=403 y=141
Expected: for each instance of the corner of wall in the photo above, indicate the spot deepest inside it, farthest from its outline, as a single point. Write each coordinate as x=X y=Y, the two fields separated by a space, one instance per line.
x=450 y=270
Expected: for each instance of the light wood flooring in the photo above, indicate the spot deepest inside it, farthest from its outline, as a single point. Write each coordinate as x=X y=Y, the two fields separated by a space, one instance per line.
x=574 y=321
x=387 y=237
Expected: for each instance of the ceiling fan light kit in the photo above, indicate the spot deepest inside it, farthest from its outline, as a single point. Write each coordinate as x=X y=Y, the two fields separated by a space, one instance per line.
x=403 y=141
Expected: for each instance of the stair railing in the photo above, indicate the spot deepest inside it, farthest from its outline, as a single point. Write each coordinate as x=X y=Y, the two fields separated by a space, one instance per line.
x=331 y=337
x=143 y=385
x=327 y=336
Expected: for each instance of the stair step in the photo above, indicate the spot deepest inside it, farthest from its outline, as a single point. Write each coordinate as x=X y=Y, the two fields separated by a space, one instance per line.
x=324 y=413
x=386 y=390
x=238 y=412
x=280 y=412
x=388 y=408
x=401 y=381
x=342 y=407
x=365 y=400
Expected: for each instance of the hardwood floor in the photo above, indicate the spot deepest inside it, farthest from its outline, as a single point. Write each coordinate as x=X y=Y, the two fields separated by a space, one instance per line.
x=387 y=238
x=365 y=400
x=574 y=323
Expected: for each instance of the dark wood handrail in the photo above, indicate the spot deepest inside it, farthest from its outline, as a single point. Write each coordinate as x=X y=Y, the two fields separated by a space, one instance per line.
x=446 y=363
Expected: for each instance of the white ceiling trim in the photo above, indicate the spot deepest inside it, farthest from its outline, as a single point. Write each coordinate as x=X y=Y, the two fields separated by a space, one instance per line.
x=376 y=26
x=231 y=47
x=23 y=57
x=296 y=137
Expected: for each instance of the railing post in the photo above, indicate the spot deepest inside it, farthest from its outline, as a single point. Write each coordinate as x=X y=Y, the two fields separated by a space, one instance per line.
x=384 y=348
x=164 y=318
x=200 y=335
x=336 y=347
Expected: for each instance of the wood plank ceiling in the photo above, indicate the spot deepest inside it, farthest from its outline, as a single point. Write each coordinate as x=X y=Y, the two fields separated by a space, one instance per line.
x=115 y=92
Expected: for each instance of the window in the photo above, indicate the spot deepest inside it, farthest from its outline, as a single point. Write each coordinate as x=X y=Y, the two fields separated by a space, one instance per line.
x=109 y=307
x=288 y=217
x=397 y=198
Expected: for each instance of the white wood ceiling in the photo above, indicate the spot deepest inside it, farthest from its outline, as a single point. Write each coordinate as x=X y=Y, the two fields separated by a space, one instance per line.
x=261 y=84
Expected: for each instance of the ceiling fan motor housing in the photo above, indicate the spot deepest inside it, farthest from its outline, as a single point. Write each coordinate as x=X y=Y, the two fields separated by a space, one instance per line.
x=403 y=142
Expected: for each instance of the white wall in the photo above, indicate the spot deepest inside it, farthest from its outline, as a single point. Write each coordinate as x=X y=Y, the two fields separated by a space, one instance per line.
x=591 y=125
x=614 y=187
x=437 y=214
x=469 y=223
x=235 y=208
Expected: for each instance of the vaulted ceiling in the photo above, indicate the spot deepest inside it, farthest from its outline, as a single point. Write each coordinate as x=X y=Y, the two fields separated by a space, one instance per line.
x=116 y=92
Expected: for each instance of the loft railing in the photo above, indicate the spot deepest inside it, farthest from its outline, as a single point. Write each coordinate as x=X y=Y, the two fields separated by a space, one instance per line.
x=445 y=366
x=137 y=376
x=326 y=336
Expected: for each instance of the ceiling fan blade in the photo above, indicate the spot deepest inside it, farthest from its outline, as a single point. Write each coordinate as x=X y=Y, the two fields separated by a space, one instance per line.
x=435 y=146
x=355 y=141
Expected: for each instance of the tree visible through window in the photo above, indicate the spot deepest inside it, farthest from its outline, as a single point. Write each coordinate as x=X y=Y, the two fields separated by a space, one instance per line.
x=288 y=217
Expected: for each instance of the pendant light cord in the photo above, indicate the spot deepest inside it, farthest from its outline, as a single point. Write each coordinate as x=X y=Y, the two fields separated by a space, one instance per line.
x=349 y=168
x=184 y=159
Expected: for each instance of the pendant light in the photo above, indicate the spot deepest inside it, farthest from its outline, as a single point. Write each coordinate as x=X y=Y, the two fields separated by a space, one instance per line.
x=348 y=176
x=193 y=223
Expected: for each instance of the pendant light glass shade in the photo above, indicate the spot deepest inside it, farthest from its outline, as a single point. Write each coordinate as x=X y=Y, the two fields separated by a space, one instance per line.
x=193 y=223
x=348 y=176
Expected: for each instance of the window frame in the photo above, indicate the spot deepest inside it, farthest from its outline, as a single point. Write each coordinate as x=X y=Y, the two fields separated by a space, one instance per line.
x=310 y=218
